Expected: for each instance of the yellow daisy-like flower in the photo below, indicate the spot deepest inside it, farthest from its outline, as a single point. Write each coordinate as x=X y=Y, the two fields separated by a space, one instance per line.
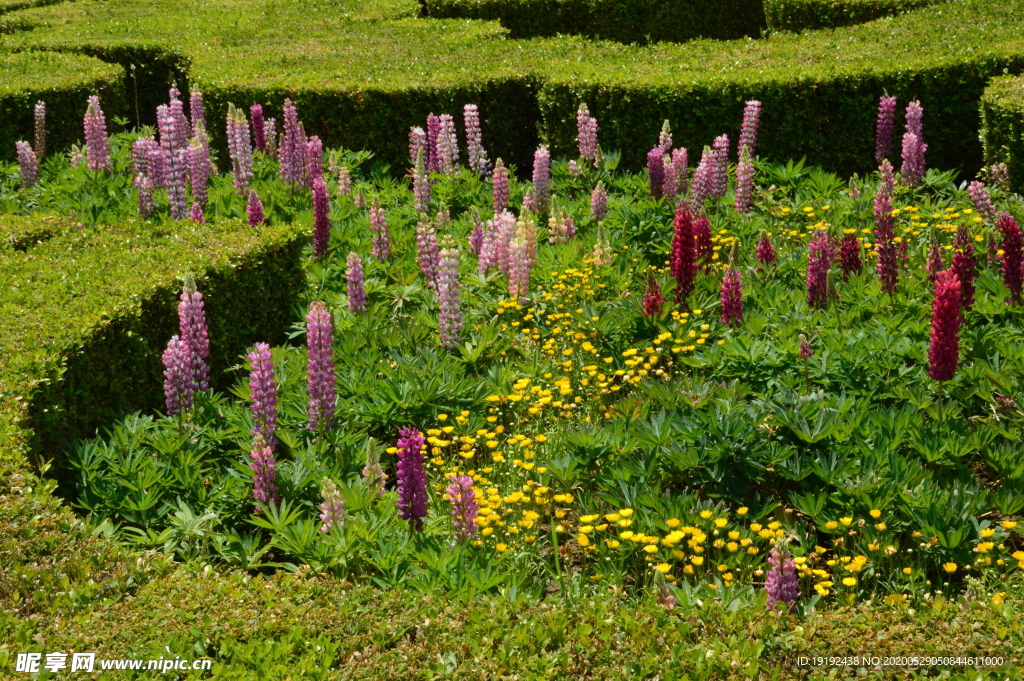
x=742 y=510
x=875 y=513
x=706 y=514
x=846 y=521
x=651 y=548
x=663 y=568
x=721 y=522
x=949 y=567
x=697 y=560
x=672 y=522
x=1008 y=524
x=849 y=581
x=907 y=571
x=501 y=548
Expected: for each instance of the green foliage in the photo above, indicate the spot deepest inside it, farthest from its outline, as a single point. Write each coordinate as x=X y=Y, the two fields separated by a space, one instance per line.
x=1002 y=126
x=805 y=15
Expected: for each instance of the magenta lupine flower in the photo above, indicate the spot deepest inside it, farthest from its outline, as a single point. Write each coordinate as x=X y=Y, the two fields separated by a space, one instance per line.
x=270 y=136
x=744 y=182
x=196 y=110
x=196 y=215
x=462 y=496
x=140 y=154
x=499 y=185
x=528 y=202
x=320 y=366
x=332 y=510
x=373 y=475
x=765 y=250
x=432 y=159
x=574 y=168
x=263 y=393
x=447 y=144
x=28 y=164
x=97 y=143
x=412 y=478
x=179 y=379
x=293 y=148
x=731 y=297
x=180 y=132
x=819 y=262
x=748 y=130
x=670 y=185
x=449 y=298
x=915 y=112
x=417 y=143
x=344 y=181
x=998 y=174
x=982 y=201
x=1013 y=256
x=964 y=268
x=684 y=254
x=489 y=249
x=476 y=235
x=702 y=240
x=586 y=135
x=314 y=159
x=781 y=582
x=703 y=179
x=599 y=202
x=199 y=165
x=239 y=149
x=933 y=263
x=805 y=348
x=849 y=256
x=264 y=468
x=194 y=332
x=420 y=185
x=720 y=176
x=885 y=127
x=654 y=301
x=381 y=248
x=913 y=167
x=39 y=120
x=321 y=219
x=665 y=138
x=885 y=246
x=944 y=349
x=478 y=162
x=356 y=288
x=145 y=187
x=541 y=179
x=259 y=133
x=175 y=160
x=656 y=171
x=254 y=209
x=682 y=171
x=426 y=244
x=157 y=162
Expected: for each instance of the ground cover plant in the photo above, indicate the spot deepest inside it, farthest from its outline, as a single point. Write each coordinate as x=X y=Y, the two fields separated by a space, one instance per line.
x=722 y=380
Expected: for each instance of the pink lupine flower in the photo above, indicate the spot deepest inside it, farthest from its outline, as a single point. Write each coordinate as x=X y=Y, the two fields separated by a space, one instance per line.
x=356 y=290
x=179 y=379
x=885 y=127
x=320 y=366
x=478 y=162
x=263 y=393
x=321 y=219
x=97 y=143
x=449 y=297
x=461 y=495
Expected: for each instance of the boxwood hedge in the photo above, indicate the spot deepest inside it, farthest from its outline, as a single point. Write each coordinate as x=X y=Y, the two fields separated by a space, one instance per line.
x=803 y=15
x=1002 y=129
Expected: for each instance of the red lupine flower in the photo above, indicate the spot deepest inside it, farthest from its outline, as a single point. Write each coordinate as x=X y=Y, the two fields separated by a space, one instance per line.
x=684 y=256
x=732 y=297
x=1013 y=256
x=849 y=256
x=945 y=339
x=653 y=300
x=765 y=250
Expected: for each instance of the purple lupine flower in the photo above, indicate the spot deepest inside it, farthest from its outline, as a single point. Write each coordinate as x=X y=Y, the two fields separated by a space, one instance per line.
x=478 y=162
x=145 y=187
x=656 y=171
x=462 y=496
x=314 y=159
x=720 y=176
x=157 y=164
x=39 y=119
x=199 y=165
x=174 y=158
x=196 y=214
x=356 y=290
x=270 y=136
x=97 y=143
x=703 y=186
x=412 y=478
x=196 y=110
x=541 y=179
x=670 y=186
x=449 y=298
x=259 y=133
x=982 y=201
x=373 y=475
x=263 y=393
x=765 y=250
x=915 y=112
x=254 y=209
x=933 y=263
x=731 y=296
x=194 y=332
x=885 y=246
x=320 y=366
x=381 y=248
x=179 y=379
x=999 y=175
x=665 y=138
x=28 y=164
x=431 y=160
x=180 y=132
x=321 y=219
x=293 y=148
x=885 y=127
x=944 y=345
x=748 y=130
x=913 y=167
x=499 y=185
x=140 y=154
x=586 y=135
x=805 y=348
x=426 y=244
x=964 y=267
x=703 y=240
x=417 y=143
x=819 y=262
x=344 y=181
x=332 y=510
x=447 y=144
x=599 y=202
x=264 y=469
x=420 y=185
x=574 y=168
x=239 y=149
x=781 y=583
x=744 y=181
x=476 y=235
x=1013 y=256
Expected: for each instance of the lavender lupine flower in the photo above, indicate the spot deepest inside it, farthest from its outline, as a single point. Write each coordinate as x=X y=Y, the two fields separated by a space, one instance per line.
x=254 y=209
x=420 y=185
x=981 y=200
x=196 y=214
x=259 y=133
x=314 y=159
x=462 y=496
x=28 y=164
x=199 y=165
x=412 y=478
x=913 y=167
x=321 y=219
x=332 y=510
x=293 y=148
x=499 y=184
x=731 y=297
x=179 y=379
x=478 y=162
x=432 y=159
x=145 y=187
x=656 y=171
x=97 y=143
x=819 y=262
x=781 y=582
x=381 y=248
x=320 y=366
x=373 y=475
x=748 y=130
x=1013 y=256
x=720 y=176
x=417 y=143
x=665 y=138
x=599 y=202
x=196 y=110
x=703 y=186
x=765 y=250
x=885 y=246
x=39 y=116
x=999 y=175
x=264 y=468
x=586 y=135
x=744 y=182
x=263 y=393
x=542 y=179
x=194 y=332
x=449 y=298
x=428 y=257
x=175 y=159
x=885 y=127
x=239 y=149
x=944 y=346
x=270 y=136
x=356 y=289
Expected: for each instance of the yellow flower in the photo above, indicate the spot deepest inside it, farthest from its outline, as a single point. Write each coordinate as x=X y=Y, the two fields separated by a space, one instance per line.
x=672 y=522
x=846 y=521
x=706 y=514
x=663 y=568
x=1009 y=524
x=849 y=581
x=626 y=512
x=651 y=548
x=697 y=560
x=875 y=513
x=442 y=417
x=501 y=548
x=583 y=540
x=907 y=571
x=742 y=510
x=611 y=543
x=831 y=525
x=949 y=567
x=721 y=522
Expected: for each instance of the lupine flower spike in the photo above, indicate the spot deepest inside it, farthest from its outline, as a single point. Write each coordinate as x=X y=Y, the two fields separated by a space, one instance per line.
x=263 y=393
x=259 y=136
x=374 y=477
x=478 y=162
x=744 y=182
x=412 y=478
x=885 y=246
x=332 y=510
x=599 y=202
x=179 y=379
x=819 y=262
x=781 y=582
x=684 y=256
x=765 y=250
x=499 y=184
x=321 y=219
x=944 y=349
x=653 y=299
x=462 y=496
x=542 y=179
x=656 y=171
x=381 y=247
x=264 y=468
x=40 y=130
x=885 y=127
x=981 y=200
x=731 y=295
x=586 y=131
x=194 y=332
x=1013 y=257
x=356 y=290
x=449 y=297
x=429 y=257
x=849 y=255
x=964 y=266
x=748 y=130
x=97 y=144
x=320 y=366
x=665 y=138
x=28 y=164
x=933 y=263
x=254 y=209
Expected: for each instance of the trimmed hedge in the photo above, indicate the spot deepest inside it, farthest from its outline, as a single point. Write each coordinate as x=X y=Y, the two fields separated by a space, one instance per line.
x=804 y=15
x=632 y=21
x=85 y=316
x=1002 y=126
x=14 y=5
x=21 y=233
